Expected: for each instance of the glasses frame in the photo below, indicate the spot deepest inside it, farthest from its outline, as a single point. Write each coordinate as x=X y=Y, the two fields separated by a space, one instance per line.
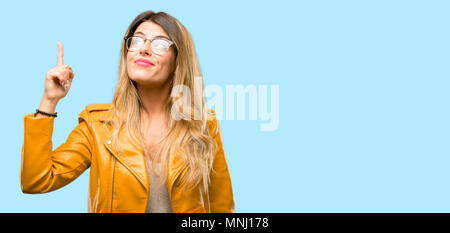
x=145 y=40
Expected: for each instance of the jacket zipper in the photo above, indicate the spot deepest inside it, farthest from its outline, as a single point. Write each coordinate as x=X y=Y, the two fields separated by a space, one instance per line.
x=112 y=189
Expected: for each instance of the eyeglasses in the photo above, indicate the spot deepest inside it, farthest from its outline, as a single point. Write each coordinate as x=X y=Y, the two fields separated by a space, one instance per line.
x=158 y=45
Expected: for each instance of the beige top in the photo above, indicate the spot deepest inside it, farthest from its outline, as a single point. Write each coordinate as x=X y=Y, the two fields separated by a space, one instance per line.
x=159 y=201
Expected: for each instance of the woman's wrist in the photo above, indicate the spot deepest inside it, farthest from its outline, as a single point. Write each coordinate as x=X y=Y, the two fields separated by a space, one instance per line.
x=47 y=105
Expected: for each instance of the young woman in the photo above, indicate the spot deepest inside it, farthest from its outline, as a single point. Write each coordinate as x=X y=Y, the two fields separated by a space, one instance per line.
x=145 y=151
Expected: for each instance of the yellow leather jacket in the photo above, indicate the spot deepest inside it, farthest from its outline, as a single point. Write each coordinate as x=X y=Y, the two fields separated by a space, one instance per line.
x=118 y=181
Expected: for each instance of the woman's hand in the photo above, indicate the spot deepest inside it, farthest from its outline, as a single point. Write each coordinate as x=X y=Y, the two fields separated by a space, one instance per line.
x=58 y=79
x=57 y=84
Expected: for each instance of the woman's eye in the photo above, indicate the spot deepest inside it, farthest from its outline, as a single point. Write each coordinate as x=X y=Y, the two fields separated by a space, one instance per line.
x=159 y=44
x=137 y=42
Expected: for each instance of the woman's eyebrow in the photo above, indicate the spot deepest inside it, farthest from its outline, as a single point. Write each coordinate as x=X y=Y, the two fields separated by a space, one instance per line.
x=158 y=36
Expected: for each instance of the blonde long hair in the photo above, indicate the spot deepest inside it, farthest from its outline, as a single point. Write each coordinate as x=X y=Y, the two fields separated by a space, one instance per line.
x=188 y=136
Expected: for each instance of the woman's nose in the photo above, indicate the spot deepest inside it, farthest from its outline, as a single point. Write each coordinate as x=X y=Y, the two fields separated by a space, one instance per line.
x=146 y=48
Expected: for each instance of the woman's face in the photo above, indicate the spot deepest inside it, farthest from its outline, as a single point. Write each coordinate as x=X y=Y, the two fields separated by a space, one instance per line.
x=162 y=65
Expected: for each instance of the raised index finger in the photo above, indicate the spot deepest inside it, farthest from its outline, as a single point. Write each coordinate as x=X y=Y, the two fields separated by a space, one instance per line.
x=60 y=59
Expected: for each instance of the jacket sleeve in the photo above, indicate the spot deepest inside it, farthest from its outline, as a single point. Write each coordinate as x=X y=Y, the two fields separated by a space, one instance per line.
x=44 y=169
x=221 y=191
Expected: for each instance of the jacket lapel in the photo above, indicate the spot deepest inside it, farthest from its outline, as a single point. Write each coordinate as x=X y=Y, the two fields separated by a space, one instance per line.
x=131 y=156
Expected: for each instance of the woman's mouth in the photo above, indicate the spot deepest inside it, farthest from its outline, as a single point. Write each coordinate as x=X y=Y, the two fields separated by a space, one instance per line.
x=143 y=62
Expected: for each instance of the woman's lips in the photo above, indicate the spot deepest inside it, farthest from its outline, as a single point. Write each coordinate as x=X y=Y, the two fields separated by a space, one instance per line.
x=142 y=62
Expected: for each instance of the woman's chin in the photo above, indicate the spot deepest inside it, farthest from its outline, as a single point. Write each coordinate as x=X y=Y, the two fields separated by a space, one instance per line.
x=148 y=81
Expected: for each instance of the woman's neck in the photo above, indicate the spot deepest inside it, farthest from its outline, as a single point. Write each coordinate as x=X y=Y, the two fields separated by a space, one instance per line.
x=153 y=118
x=154 y=99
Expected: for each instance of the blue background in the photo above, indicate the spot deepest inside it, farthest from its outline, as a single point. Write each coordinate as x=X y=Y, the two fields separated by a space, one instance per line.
x=364 y=118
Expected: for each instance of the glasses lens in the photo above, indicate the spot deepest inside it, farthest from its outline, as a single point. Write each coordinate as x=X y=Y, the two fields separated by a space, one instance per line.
x=160 y=46
x=135 y=43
